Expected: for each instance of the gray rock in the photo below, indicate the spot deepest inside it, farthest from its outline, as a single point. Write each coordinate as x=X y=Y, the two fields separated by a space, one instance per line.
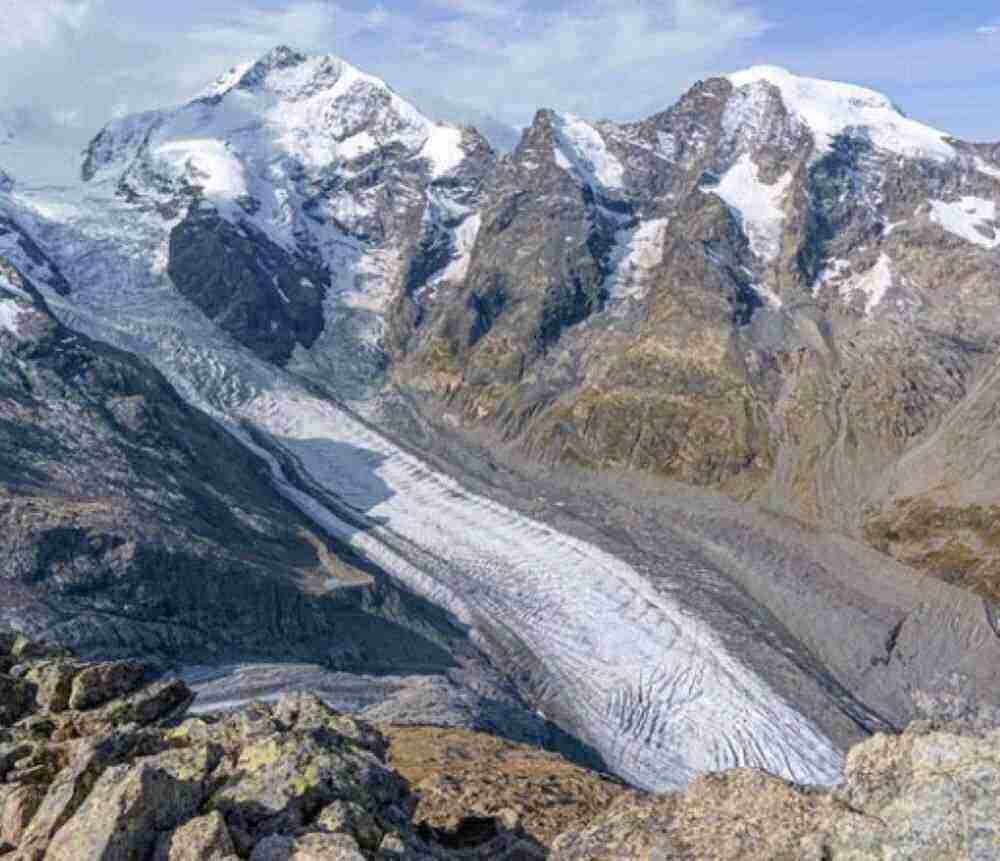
x=97 y=684
x=53 y=681
x=204 y=838
x=927 y=794
x=129 y=804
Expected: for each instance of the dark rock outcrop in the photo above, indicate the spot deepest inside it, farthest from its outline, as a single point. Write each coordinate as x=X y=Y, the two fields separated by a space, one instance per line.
x=134 y=524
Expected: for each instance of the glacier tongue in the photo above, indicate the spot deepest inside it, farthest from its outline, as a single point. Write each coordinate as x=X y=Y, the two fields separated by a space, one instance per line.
x=623 y=663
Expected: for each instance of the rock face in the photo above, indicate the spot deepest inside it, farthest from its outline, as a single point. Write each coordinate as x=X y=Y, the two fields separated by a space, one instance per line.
x=933 y=792
x=133 y=524
x=127 y=777
x=779 y=287
x=301 y=193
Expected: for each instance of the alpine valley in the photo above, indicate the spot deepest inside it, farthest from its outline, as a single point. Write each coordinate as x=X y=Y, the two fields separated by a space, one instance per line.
x=670 y=446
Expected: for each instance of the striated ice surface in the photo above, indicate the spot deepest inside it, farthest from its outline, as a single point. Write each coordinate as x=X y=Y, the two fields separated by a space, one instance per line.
x=626 y=663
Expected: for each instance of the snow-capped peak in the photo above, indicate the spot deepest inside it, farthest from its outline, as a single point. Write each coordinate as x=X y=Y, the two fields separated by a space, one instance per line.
x=828 y=108
x=318 y=111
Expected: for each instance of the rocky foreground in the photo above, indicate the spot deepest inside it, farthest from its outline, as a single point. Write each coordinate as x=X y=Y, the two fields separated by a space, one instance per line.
x=98 y=761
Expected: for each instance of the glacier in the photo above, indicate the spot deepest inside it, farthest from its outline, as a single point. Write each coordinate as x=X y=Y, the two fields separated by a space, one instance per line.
x=623 y=664
x=656 y=655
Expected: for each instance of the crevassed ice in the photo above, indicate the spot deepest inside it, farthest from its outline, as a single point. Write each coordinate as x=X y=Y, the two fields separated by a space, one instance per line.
x=972 y=218
x=828 y=108
x=648 y=683
x=758 y=204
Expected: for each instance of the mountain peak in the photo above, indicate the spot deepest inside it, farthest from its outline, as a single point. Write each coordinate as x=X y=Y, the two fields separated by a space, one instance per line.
x=829 y=108
x=258 y=74
x=281 y=56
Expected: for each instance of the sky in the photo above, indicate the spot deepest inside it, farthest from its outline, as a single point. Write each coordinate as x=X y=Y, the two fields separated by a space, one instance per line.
x=68 y=66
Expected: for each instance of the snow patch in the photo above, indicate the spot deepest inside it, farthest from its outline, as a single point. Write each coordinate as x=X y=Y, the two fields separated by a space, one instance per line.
x=831 y=272
x=757 y=204
x=208 y=163
x=637 y=252
x=224 y=83
x=972 y=218
x=10 y=311
x=581 y=149
x=828 y=108
x=443 y=149
x=873 y=284
x=465 y=241
x=988 y=169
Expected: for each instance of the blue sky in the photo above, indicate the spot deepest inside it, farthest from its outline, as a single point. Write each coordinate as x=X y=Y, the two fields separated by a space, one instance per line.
x=79 y=62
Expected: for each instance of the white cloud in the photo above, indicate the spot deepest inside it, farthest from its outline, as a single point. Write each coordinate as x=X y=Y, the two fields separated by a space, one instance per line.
x=378 y=16
x=94 y=59
x=988 y=29
x=34 y=24
x=489 y=9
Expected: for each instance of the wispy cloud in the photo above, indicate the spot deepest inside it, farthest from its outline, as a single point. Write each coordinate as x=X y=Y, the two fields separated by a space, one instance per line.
x=488 y=9
x=988 y=29
x=503 y=58
x=42 y=24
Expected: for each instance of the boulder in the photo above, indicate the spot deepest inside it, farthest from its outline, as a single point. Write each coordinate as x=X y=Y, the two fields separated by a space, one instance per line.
x=308 y=847
x=99 y=683
x=204 y=838
x=53 y=681
x=19 y=805
x=130 y=803
x=930 y=793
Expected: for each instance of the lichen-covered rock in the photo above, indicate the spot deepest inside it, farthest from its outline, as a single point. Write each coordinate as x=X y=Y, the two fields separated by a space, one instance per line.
x=351 y=818
x=927 y=794
x=17 y=807
x=53 y=681
x=204 y=838
x=87 y=761
x=99 y=683
x=308 y=847
x=128 y=778
x=282 y=781
x=130 y=803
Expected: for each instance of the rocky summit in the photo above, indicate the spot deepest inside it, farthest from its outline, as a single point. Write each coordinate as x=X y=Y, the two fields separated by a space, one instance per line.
x=99 y=761
x=779 y=287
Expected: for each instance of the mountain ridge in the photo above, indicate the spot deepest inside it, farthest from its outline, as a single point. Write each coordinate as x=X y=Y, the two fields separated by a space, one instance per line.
x=297 y=263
